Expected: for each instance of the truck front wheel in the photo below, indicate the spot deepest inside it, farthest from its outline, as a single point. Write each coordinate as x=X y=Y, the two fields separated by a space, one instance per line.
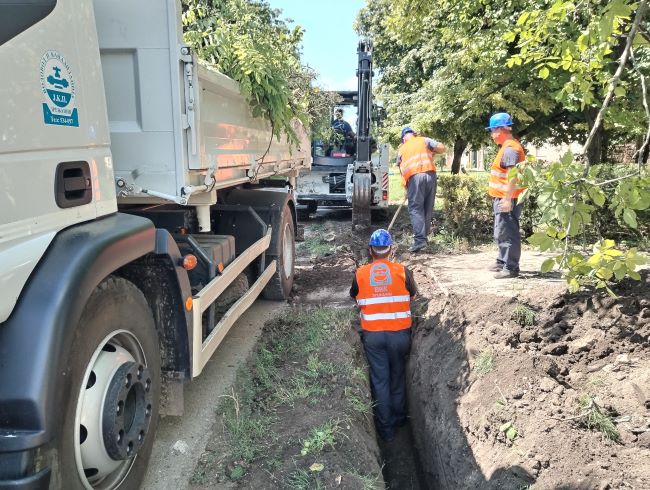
x=112 y=411
x=279 y=287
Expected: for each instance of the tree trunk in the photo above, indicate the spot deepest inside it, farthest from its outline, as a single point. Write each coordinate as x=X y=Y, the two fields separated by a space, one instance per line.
x=595 y=151
x=459 y=148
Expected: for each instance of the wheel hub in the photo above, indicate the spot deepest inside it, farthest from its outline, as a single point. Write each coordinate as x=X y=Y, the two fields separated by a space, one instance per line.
x=113 y=412
x=127 y=411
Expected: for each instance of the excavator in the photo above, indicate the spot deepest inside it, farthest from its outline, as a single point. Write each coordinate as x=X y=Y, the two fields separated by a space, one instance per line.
x=352 y=170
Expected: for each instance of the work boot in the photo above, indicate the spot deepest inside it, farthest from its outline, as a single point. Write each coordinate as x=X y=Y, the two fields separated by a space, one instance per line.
x=506 y=274
x=496 y=267
x=416 y=247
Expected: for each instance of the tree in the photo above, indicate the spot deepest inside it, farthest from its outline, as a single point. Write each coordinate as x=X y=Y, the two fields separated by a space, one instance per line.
x=248 y=41
x=529 y=57
x=445 y=71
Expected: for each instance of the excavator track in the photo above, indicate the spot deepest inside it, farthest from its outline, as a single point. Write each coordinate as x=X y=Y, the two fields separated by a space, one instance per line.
x=361 y=199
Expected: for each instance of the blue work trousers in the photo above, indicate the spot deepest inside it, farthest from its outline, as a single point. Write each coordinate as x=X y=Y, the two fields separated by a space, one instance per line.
x=421 y=193
x=386 y=353
x=506 y=235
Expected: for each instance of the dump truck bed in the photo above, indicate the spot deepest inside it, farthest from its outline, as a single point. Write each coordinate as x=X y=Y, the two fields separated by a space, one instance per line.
x=174 y=121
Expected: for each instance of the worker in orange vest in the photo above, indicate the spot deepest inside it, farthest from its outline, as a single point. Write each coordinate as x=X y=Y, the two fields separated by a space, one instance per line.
x=383 y=290
x=415 y=162
x=504 y=192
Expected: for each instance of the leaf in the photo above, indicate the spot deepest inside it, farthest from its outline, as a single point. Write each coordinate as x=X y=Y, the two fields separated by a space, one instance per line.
x=634 y=275
x=567 y=158
x=316 y=467
x=620 y=91
x=629 y=216
x=511 y=434
x=548 y=265
x=597 y=196
x=505 y=427
x=544 y=73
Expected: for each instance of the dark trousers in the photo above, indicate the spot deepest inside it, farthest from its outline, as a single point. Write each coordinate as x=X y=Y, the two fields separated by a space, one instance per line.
x=386 y=353
x=421 y=193
x=506 y=235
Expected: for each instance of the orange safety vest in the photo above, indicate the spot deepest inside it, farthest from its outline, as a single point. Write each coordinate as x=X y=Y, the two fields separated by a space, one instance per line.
x=499 y=175
x=384 y=301
x=416 y=158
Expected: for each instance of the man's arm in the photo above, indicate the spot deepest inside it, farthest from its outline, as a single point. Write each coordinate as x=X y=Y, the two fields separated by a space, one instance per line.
x=435 y=146
x=354 y=289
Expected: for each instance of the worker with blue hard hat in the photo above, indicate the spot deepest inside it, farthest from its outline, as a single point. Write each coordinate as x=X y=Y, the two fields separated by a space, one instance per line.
x=383 y=290
x=504 y=192
x=415 y=160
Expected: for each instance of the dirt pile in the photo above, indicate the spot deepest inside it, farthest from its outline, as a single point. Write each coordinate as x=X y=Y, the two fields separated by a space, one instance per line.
x=542 y=388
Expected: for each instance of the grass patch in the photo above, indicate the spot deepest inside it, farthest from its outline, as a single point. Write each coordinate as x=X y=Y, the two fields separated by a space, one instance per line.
x=484 y=362
x=299 y=388
x=593 y=418
x=524 y=315
x=303 y=480
x=315 y=245
x=250 y=433
x=358 y=402
x=288 y=369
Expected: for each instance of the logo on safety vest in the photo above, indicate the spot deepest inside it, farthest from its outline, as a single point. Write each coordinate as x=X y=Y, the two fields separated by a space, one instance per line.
x=59 y=91
x=380 y=275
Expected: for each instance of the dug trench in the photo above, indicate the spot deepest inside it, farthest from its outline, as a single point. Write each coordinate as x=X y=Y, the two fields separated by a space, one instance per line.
x=510 y=385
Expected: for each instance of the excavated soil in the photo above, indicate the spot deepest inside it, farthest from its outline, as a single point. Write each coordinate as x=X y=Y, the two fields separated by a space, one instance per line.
x=493 y=404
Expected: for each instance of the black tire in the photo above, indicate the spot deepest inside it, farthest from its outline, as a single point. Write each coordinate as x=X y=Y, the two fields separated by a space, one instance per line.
x=312 y=207
x=279 y=287
x=115 y=305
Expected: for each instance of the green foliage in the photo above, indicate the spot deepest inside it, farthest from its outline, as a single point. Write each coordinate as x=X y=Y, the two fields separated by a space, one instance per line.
x=569 y=203
x=322 y=437
x=466 y=205
x=523 y=315
x=573 y=41
x=248 y=41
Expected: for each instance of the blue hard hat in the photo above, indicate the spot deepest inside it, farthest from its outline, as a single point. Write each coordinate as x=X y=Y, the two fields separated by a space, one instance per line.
x=499 y=120
x=380 y=238
x=405 y=131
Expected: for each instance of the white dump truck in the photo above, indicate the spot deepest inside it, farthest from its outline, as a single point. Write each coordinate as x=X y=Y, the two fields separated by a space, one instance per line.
x=142 y=210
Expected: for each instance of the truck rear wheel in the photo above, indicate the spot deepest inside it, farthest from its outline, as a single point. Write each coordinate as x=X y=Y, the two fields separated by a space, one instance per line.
x=112 y=411
x=279 y=287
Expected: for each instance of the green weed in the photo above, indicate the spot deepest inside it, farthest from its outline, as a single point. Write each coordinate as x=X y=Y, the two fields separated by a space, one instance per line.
x=303 y=480
x=484 y=362
x=249 y=434
x=524 y=315
x=594 y=418
x=321 y=437
x=317 y=368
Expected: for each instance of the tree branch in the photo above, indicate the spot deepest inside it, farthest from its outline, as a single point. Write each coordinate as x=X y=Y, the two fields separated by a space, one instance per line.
x=639 y=153
x=640 y=13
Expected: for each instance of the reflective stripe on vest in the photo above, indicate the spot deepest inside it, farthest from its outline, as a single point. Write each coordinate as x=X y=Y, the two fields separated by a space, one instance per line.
x=416 y=158
x=383 y=299
x=386 y=316
x=499 y=176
